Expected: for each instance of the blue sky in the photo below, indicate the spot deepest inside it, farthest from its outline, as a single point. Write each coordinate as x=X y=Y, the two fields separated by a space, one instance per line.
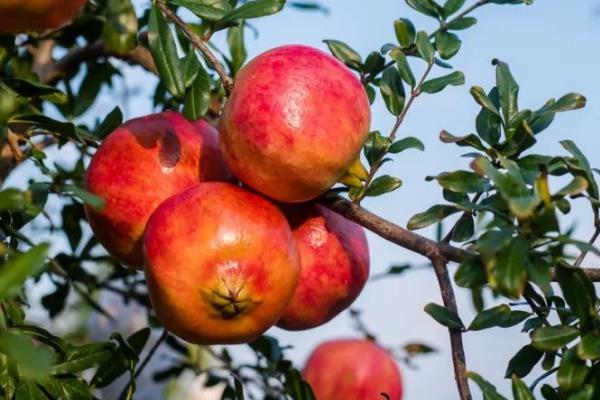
x=551 y=48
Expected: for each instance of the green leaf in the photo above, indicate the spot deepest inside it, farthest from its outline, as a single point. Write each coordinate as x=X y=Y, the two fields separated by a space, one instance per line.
x=434 y=214
x=12 y=199
x=508 y=90
x=447 y=44
x=67 y=389
x=85 y=196
x=344 y=53
x=452 y=6
x=15 y=272
x=578 y=291
x=582 y=168
x=406 y=143
x=497 y=316
x=403 y=67
x=254 y=9
x=113 y=120
x=520 y=390
x=65 y=129
x=444 y=316
x=483 y=100
x=551 y=338
x=164 y=52
x=427 y=7
x=585 y=393
x=375 y=146
x=463 y=141
x=297 y=388
x=576 y=186
x=210 y=10
x=424 y=47
x=34 y=362
x=235 y=42
x=29 y=390
x=197 y=97
x=435 y=85
x=470 y=274
x=392 y=90
x=462 y=182
x=488 y=390
x=85 y=357
x=29 y=88
x=571 y=101
x=572 y=372
x=589 y=347
x=507 y=270
x=405 y=32
x=374 y=63
x=523 y=362
x=462 y=23
x=488 y=124
x=121 y=27
x=383 y=184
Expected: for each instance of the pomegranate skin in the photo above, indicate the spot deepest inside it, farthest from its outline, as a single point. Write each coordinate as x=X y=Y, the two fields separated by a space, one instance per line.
x=220 y=263
x=352 y=369
x=36 y=15
x=294 y=122
x=141 y=164
x=334 y=258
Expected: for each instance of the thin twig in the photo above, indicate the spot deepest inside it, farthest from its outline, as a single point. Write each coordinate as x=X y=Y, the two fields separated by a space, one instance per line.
x=585 y=252
x=145 y=362
x=199 y=43
x=456 y=343
x=416 y=91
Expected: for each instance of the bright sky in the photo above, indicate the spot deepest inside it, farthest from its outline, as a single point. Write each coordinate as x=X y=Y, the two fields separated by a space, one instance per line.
x=551 y=48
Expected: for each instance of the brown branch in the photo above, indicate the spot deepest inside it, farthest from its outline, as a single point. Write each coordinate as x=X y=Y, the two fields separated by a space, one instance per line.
x=407 y=239
x=68 y=66
x=456 y=343
x=199 y=43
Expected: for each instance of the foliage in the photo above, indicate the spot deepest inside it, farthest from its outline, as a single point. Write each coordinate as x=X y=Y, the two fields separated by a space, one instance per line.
x=506 y=200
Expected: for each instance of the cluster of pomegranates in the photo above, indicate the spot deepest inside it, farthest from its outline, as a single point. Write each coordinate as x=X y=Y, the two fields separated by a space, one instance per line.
x=223 y=223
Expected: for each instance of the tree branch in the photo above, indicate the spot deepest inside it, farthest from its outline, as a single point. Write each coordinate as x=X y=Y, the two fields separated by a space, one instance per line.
x=456 y=343
x=68 y=66
x=199 y=43
x=409 y=240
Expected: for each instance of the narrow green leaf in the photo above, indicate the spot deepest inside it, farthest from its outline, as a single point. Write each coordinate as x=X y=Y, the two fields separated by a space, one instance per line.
x=210 y=10
x=463 y=182
x=483 y=100
x=490 y=318
x=508 y=90
x=452 y=6
x=405 y=32
x=14 y=272
x=571 y=101
x=523 y=362
x=33 y=362
x=435 y=85
x=383 y=184
x=254 y=9
x=444 y=316
x=520 y=390
x=550 y=338
x=434 y=214
x=164 y=52
x=488 y=390
x=447 y=44
x=344 y=53
x=462 y=23
x=572 y=372
x=589 y=347
x=403 y=67
x=424 y=46
x=392 y=90
x=197 y=97
x=406 y=143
